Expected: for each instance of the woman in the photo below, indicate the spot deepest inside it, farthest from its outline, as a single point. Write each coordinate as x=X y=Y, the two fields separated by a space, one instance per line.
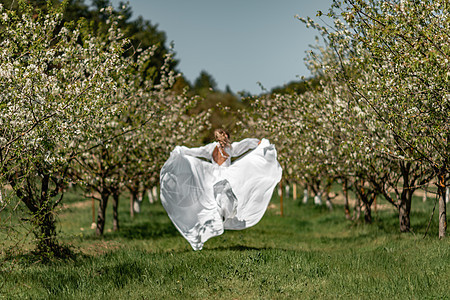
x=202 y=198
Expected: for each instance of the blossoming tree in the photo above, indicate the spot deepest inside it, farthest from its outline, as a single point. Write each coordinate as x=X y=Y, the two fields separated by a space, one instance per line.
x=137 y=140
x=406 y=57
x=57 y=82
x=391 y=58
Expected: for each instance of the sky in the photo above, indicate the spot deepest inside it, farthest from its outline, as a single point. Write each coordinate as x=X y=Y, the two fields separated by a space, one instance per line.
x=238 y=42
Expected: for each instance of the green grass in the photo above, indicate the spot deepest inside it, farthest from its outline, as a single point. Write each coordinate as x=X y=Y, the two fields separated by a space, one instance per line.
x=309 y=253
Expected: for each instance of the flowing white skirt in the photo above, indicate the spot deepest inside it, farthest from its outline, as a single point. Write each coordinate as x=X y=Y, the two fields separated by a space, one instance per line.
x=202 y=199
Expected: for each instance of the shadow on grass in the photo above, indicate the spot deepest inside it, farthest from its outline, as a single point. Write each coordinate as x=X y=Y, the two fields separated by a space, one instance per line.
x=238 y=248
x=142 y=230
x=389 y=223
x=148 y=230
x=27 y=258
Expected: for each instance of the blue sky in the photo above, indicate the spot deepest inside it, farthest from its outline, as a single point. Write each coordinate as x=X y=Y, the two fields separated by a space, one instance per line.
x=238 y=42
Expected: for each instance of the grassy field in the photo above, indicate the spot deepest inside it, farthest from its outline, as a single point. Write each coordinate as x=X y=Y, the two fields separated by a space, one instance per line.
x=309 y=253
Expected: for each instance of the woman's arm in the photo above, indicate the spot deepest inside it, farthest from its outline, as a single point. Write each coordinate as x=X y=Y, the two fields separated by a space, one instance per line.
x=239 y=148
x=204 y=151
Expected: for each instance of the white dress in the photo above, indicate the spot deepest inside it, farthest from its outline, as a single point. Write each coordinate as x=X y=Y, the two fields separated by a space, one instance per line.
x=202 y=198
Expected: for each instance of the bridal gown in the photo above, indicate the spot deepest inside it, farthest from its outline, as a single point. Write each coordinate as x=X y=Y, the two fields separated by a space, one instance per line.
x=203 y=198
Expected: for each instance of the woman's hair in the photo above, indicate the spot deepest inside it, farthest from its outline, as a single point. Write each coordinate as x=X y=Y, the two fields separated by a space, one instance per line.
x=223 y=137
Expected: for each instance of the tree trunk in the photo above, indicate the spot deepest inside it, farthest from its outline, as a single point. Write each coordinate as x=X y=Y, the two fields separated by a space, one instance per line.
x=155 y=193
x=346 y=205
x=404 y=207
x=294 y=191
x=133 y=199
x=287 y=190
x=46 y=234
x=115 y=211
x=93 y=224
x=138 y=202
x=101 y=215
x=281 y=198
x=363 y=196
x=404 y=210
x=305 y=195
x=327 y=197
x=447 y=195
x=150 y=196
x=442 y=217
x=318 y=198
x=442 y=206
x=41 y=209
x=367 y=212
x=357 y=209
x=45 y=221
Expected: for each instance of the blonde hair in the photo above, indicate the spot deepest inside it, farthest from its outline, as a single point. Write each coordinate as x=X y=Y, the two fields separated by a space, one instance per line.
x=223 y=137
